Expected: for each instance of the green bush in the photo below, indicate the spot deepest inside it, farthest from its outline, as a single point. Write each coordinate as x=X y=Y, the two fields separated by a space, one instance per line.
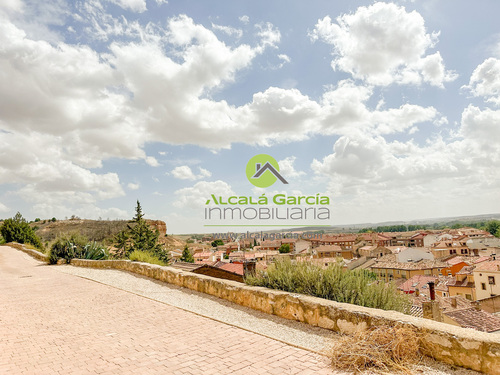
x=146 y=257
x=186 y=255
x=17 y=229
x=76 y=246
x=95 y=251
x=139 y=236
x=62 y=248
x=217 y=243
x=333 y=283
x=285 y=248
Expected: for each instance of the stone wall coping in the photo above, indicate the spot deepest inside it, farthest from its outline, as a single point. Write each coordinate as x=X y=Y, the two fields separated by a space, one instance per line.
x=34 y=253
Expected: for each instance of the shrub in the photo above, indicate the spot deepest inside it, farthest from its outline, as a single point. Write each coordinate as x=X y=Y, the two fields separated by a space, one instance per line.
x=95 y=251
x=285 y=248
x=62 y=248
x=333 y=283
x=146 y=257
x=17 y=229
x=217 y=243
x=139 y=236
x=186 y=255
x=76 y=246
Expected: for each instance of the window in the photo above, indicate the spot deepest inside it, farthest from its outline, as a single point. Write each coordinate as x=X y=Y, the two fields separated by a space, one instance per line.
x=469 y=297
x=491 y=280
x=483 y=286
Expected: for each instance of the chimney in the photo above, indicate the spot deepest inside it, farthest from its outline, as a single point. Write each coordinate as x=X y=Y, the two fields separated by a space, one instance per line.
x=417 y=292
x=249 y=268
x=454 y=302
x=432 y=293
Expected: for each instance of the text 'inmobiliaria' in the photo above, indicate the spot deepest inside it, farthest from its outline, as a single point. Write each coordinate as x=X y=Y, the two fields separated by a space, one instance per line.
x=278 y=207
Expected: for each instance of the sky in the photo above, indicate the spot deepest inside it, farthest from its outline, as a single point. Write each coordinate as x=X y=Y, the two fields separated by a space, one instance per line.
x=389 y=108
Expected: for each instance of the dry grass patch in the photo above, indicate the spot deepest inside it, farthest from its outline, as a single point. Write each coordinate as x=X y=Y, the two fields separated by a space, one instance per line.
x=382 y=349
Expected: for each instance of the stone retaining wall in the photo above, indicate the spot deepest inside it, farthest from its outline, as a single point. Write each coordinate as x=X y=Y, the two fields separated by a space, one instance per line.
x=34 y=253
x=468 y=348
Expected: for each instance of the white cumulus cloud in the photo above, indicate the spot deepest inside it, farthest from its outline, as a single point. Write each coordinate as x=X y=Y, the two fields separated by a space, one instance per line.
x=3 y=208
x=138 y=6
x=287 y=168
x=133 y=186
x=196 y=196
x=485 y=81
x=383 y=44
x=184 y=172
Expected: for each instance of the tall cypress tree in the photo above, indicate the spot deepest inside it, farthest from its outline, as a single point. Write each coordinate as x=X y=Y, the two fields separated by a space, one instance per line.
x=143 y=238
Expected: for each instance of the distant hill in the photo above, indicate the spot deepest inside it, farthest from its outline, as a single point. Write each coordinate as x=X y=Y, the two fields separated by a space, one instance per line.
x=99 y=230
x=94 y=230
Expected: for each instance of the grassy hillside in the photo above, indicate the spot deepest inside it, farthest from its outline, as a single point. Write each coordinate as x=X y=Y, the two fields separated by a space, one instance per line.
x=94 y=230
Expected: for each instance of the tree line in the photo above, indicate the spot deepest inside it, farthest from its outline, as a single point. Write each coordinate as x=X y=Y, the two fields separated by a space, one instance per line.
x=491 y=226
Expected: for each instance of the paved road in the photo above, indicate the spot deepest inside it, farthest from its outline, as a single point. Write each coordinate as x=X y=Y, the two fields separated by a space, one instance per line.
x=56 y=323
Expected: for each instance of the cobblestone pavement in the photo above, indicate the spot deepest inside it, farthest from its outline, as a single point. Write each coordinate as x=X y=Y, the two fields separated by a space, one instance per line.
x=55 y=323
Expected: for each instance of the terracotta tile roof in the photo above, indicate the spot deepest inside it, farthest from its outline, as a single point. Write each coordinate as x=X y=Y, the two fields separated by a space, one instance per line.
x=453 y=260
x=366 y=265
x=492 y=265
x=368 y=247
x=233 y=267
x=447 y=244
x=417 y=281
x=476 y=319
x=446 y=304
x=345 y=238
x=328 y=248
x=467 y=270
x=384 y=262
x=202 y=255
x=465 y=283
x=454 y=303
x=270 y=244
x=442 y=283
x=481 y=259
